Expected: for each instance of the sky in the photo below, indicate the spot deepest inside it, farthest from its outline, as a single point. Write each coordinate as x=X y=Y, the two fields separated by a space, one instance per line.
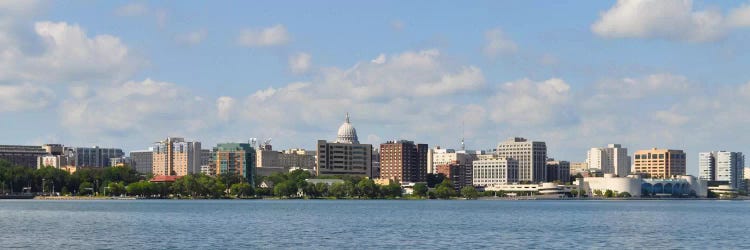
x=575 y=74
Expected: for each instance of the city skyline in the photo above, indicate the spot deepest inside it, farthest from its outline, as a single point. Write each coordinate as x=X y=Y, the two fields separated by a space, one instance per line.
x=585 y=75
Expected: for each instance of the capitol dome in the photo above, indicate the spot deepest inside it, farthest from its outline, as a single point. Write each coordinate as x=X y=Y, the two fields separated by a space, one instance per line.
x=347 y=133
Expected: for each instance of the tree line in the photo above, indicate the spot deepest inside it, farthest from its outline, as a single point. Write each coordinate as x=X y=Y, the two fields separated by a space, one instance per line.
x=117 y=181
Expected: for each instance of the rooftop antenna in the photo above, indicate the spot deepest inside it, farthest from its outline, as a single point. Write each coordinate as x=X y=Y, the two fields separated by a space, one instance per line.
x=463 y=146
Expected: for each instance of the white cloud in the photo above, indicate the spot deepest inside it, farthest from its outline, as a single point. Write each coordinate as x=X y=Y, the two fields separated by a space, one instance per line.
x=529 y=103
x=379 y=60
x=67 y=55
x=71 y=55
x=422 y=73
x=224 y=107
x=23 y=97
x=265 y=37
x=667 y=19
x=192 y=37
x=636 y=88
x=740 y=16
x=300 y=63
x=147 y=107
x=409 y=88
x=497 y=43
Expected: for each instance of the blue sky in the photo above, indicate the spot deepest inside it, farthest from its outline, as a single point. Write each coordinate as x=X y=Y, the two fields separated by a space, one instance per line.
x=575 y=74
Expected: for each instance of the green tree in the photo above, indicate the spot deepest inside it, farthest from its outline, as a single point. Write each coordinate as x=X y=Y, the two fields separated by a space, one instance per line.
x=624 y=195
x=392 y=190
x=420 y=189
x=337 y=190
x=469 y=192
x=367 y=188
x=116 y=188
x=321 y=189
x=444 y=192
x=242 y=189
x=85 y=188
x=284 y=189
x=609 y=193
x=598 y=193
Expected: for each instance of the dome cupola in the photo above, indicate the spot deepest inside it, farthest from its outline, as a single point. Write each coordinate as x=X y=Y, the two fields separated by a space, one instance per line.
x=347 y=133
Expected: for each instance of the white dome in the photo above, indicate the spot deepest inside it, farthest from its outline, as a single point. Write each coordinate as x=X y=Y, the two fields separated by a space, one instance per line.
x=347 y=133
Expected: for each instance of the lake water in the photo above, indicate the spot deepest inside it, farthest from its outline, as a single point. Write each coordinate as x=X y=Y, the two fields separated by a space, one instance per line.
x=230 y=224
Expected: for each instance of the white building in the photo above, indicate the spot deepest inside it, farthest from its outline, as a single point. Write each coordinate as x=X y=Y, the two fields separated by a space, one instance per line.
x=630 y=184
x=722 y=166
x=531 y=157
x=637 y=186
x=442 y=156
x=493 y=172
x=613 y=159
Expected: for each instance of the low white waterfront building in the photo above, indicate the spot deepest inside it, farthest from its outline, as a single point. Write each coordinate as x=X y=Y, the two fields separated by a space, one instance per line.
x=637 y=186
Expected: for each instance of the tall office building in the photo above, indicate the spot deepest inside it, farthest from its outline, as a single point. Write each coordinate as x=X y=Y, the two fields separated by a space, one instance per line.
x=142 y=160
x=25 y=156
x=235 y=159
x=493 y=172
x=531 y=157
x=403 y=161
x=722 y=166
x=345 y=156
x=613 y=159
x=660 y=163
x=93 y=157
x=175 y=156
x=558 y=171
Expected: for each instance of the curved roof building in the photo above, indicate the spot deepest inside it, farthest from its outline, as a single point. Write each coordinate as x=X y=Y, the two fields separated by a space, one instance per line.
x=347 y=133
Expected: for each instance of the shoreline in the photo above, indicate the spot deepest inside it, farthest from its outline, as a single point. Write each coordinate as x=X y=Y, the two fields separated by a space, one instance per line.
x=525 y=198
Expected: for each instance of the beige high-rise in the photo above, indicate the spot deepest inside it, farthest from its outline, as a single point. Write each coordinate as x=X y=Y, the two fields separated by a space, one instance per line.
x=660 y=163
x=175 y=156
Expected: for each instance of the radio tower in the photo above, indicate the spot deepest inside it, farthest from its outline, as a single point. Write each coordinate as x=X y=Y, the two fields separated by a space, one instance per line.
x=463 y=146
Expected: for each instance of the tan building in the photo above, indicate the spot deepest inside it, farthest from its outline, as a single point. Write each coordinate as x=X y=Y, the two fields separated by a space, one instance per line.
x=403 y=161
x=175 y=156
x=660 y=163
x=345 y=156
x=578 y=167
x=531 y=157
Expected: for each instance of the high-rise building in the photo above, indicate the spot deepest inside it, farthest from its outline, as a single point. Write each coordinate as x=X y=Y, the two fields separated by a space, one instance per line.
x=25 y=156
x=403 y=161
x=235 y=159
x=297 y=158
x=175 y=156
x=558 y=171
x=267 y=157
x=92 y=157
x=142 y=160
x=613 y=159
x=345 y=156
x=660 y=163
x=531 y=157
x=441 y=156
x=460 y=175
x=722 y=166
x=493 y=172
